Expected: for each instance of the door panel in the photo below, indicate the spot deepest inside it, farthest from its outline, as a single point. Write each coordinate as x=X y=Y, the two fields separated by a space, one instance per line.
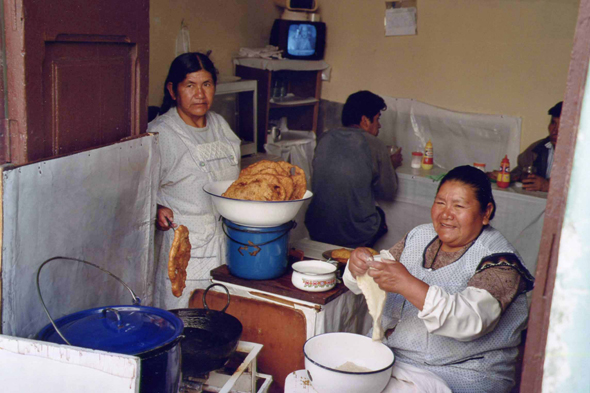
x=77 y=75
x=87 y=96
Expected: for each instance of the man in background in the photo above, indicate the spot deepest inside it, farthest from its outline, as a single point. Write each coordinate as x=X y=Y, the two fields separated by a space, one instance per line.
x=535 y=163
x=351 y=170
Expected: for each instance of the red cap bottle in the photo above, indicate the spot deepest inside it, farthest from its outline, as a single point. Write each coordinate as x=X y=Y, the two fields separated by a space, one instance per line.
x=503 y=179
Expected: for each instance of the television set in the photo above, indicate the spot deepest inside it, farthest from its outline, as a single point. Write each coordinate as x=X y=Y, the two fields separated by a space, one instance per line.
x=298 y=39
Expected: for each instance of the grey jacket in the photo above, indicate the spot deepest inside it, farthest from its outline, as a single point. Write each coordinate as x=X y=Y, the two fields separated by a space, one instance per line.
x=351 y=169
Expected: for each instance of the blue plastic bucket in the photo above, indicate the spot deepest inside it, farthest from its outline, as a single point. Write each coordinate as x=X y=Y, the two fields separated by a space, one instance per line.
x=257 y=253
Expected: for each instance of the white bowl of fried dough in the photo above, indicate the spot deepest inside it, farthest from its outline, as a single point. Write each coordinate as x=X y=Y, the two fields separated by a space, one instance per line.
x=267 y=194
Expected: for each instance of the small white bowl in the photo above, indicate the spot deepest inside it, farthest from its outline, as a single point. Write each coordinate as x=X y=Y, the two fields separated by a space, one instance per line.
x=314 y=276
x=325 y=353
x=253 y=213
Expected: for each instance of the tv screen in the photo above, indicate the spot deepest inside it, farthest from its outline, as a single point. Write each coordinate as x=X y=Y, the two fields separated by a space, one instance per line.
x=298 y=39
x=302 y=40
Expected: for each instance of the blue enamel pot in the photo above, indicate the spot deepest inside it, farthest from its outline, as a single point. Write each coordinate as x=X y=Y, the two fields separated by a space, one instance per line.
x=257 y=253
x=152 y=334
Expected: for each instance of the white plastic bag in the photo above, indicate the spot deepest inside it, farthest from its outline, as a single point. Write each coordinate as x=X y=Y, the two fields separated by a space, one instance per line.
x=183 y=40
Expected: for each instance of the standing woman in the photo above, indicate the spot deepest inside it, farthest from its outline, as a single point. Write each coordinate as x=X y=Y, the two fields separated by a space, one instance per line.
x=196 y=146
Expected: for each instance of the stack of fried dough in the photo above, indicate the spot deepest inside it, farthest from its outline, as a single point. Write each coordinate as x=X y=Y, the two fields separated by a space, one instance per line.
x=269 y=181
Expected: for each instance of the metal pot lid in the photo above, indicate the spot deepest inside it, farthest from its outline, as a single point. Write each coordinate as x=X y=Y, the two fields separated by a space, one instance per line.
x=129 y=330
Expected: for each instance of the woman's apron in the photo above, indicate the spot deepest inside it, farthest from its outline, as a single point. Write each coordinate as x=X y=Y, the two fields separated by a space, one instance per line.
x=197 y=165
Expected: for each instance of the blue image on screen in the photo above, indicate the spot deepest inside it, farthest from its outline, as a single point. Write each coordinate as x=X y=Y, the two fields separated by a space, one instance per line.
x=302 y=40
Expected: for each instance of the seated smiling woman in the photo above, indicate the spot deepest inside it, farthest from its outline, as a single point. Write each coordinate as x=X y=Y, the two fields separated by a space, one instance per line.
x=456 y=301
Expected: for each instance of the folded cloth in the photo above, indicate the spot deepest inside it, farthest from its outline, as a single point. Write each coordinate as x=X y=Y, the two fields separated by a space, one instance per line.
x=385 y=254
x=268 y=52
x=437 y=177
x=406 y=378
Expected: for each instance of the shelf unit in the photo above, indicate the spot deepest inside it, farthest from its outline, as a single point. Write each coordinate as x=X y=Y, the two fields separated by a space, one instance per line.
x=237 y=103
x=245 y=378
x=301 y=108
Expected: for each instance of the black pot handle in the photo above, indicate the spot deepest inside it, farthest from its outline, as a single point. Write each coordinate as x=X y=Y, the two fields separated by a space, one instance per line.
x=207 y=290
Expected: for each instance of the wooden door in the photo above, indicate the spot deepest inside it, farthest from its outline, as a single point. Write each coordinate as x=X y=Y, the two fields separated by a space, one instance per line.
x=76 y=75
x=540 y=314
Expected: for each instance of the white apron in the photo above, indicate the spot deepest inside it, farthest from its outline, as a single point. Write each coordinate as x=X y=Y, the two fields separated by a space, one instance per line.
x=187 y=165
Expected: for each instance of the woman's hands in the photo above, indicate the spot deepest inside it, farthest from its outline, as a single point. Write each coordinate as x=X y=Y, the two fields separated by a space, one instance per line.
x=162 y=215
x=391 y=276
x=358 y=262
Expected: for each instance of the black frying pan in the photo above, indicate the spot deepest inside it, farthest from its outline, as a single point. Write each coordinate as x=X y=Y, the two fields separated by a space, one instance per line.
x=211 y=337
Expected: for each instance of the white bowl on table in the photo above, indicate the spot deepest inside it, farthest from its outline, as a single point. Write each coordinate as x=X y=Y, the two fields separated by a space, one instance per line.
x=314 y=276
x=324 y=353
x=253 y=213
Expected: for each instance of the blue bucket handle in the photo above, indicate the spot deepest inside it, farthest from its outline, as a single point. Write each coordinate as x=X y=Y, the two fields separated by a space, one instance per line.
x=285 y=231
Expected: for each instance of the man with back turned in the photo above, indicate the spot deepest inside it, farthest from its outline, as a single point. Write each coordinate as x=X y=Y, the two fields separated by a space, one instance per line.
x=351 y=170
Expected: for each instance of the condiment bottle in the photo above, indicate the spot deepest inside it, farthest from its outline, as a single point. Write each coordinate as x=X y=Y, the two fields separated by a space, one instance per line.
x=428 y=158
x=480 y=165
x=416 y=159
x=503 y=179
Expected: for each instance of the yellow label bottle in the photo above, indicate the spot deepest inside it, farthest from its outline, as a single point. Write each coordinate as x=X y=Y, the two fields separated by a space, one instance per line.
x=503 y=179
x=428 y=159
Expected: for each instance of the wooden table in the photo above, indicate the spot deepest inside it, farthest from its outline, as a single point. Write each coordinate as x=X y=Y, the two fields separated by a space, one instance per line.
x=281 y=286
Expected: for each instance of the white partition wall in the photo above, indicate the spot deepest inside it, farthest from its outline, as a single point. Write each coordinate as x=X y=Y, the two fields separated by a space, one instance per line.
x=97 y=206
x=39 y=367
x=458 y=138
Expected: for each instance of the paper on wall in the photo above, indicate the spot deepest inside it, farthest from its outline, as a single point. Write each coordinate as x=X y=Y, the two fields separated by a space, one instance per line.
x=400 y=21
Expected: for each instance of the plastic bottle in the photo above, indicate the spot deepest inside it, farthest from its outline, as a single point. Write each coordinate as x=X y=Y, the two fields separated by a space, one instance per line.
x=480 y=165
x=417 y=159
x=428 y=158
x=276 y=89
x=503 y=179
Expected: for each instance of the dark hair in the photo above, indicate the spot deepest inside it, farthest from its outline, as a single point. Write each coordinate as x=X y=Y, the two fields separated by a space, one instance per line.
x=555 y=111
x=182 y=66
x=359 y=104
x=476 y=179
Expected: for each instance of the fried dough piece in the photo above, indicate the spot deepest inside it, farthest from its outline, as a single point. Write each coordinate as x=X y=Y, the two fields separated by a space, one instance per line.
x=288 y=184
x=341 y=254
x=178 y=258
x=264 y=165
x=373 y=252
x=286 y=166
x=298 y=176
x=256 y=188
x=299 y=182
x=276 y=169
